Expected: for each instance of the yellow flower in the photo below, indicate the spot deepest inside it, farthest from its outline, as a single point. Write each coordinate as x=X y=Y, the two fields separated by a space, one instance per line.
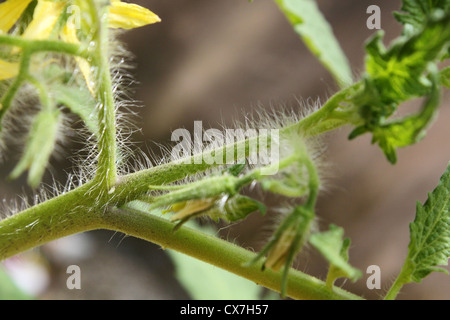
x=10 y=12
x=8 y=69
x=46 y=15
x=128 y=15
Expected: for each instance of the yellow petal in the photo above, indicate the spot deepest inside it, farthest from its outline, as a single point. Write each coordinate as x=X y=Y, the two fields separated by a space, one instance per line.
x=69 y=34
x=8 y=69
x=128 y=15
x=45 y=16
x=10 y=12
x=192 y=207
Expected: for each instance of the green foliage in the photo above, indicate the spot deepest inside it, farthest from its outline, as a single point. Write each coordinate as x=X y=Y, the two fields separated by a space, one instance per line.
x=408 y=130
x=80 y=102
x=286 y=242
x=39 y=147
x=429 y=245
x=430 y=232
x=335 y=249
x=404 y=71
x=73 y=94
x=239 y=207
x=312 y=27
x=416 y=12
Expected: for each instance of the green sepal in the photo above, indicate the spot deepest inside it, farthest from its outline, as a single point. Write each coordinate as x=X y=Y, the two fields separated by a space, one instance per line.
x=80 y=102
x=286 y=242
x=72 y=93
x=239 y=207
x=289 y=184
x=335 y=250
x=236 y=169
x=39 y=147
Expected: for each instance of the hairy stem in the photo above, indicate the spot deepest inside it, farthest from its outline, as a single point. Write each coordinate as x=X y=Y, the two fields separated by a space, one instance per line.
x=218 y=252
x=53 y=219
x=403 y=278
x=326 y=119
x=74 y=212
x=107 y=144
x=89 y=207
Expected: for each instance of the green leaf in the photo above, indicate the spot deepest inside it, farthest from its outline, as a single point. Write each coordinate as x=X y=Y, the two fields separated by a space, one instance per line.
x=79 y=100
x=206 y=282
x=406 y=70
x=289 y=185
x=429 y=246
x=416 y=12
x=41 y=142
x=409 y=130
x=335 y=250
x=399 y=73
x=72 y=93
x=236 y=169
x=312 y=27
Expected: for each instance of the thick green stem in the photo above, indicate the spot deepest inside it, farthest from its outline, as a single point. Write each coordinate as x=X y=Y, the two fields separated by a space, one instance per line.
x=218 y=252
x=75 y=212
x=107 y=143
x=90 y=207
x=53 y=219
x=45 y=46
x=137 y=183
x=332 y=115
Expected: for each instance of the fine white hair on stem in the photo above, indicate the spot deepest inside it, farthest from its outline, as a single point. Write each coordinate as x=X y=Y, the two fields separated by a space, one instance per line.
x=128 y=155
x=252 y=123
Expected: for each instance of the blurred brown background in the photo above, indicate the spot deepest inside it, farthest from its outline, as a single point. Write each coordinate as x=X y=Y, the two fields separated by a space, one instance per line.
x=216 y=60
